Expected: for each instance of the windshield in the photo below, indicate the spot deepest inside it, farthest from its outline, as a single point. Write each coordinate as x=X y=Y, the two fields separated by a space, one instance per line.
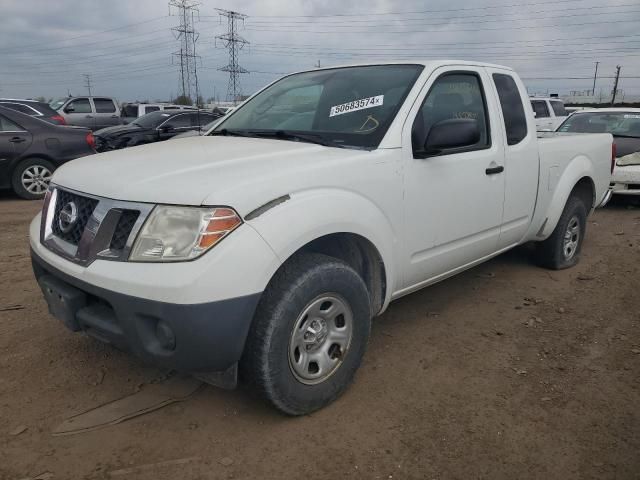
x=626 y=124
x=351 y=106
x=151 y=120
x=56 y=104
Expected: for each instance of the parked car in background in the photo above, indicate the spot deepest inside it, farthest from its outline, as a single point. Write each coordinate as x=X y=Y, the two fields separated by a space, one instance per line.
x=34 y=108
x=150 y=128
x=267 y=246
x=549 y=112
x=89 y=112
x=624 y=125
x=571 y=110
x=131 y=111
x=31 y=149
x=201 y=131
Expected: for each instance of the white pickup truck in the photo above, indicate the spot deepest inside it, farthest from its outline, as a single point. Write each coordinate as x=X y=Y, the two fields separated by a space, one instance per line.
x=264 y=248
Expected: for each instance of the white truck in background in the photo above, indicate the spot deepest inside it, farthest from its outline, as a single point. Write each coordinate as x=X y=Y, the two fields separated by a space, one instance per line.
x=263 y=249
x=549 y=113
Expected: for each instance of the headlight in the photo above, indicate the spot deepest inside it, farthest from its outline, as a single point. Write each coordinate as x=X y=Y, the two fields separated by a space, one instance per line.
x=173 y=234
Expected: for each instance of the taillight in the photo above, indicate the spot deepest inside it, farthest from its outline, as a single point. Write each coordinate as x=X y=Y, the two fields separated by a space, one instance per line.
x=60 y=119
x=91 y=140
x=613 y=157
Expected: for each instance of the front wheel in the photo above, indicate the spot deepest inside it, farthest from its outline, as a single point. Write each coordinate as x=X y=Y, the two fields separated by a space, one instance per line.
x=31 y=178
x=309 y=335
x=562 y=249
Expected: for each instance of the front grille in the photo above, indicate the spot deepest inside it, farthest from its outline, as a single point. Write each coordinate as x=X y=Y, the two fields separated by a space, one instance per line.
x=123 y=229
x=85 y=207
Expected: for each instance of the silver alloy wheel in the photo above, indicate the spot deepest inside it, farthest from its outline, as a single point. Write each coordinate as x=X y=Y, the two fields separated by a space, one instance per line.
x=35 y=179
x=571 y=238
x=320 y=339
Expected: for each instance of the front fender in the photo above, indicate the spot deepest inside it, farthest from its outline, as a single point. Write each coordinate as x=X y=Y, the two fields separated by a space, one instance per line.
x=561 y=184
x=311 y=214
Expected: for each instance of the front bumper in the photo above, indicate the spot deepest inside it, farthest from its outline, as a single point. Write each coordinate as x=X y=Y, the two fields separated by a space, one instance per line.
x=202 y=337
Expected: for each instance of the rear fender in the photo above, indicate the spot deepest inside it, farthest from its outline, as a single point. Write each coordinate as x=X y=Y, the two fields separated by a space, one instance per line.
x=580 y=167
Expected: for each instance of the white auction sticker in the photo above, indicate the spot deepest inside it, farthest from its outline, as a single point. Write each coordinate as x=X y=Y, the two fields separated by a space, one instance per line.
x=631 y=116
x=357 y=105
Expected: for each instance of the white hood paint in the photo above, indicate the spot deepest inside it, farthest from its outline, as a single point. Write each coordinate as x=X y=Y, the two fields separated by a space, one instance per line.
x=240 y=172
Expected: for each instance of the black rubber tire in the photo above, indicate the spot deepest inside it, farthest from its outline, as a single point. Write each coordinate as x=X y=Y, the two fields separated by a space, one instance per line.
x=16 y=177
x=549 y=253
x=265 y=362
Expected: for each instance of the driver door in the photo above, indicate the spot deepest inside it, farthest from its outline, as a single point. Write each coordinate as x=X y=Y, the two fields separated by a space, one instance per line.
x=79 y=112
x=453 y=198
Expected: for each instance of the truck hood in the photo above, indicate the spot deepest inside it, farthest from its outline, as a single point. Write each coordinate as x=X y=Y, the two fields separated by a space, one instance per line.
x=234 y=171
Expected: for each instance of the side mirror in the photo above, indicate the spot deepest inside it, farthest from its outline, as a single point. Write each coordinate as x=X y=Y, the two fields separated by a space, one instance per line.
x=453 y=133
x=69 y=109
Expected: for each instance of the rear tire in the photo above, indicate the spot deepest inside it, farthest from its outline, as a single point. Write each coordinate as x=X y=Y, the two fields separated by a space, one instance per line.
x=31 y=177
x=562 y=249
x=309 y=334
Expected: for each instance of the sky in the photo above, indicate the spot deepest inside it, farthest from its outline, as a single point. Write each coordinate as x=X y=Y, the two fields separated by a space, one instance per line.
x=126 y=46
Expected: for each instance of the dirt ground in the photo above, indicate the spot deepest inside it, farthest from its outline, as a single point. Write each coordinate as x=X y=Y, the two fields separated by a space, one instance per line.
x=507 y=371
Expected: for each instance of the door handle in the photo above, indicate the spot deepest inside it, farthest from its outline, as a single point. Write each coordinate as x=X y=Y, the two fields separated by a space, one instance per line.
x=18 y=140
x=88 y=116
x=494 y=170
x=114 y=116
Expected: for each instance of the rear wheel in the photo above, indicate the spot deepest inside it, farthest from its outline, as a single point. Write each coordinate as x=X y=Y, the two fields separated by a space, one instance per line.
x=31 y=178
x=309 y=335
x=562 y=249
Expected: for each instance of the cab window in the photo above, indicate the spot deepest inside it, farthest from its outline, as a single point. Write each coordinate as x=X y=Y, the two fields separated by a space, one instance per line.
x=540 y=107
x=81 y=105
x=453 y=96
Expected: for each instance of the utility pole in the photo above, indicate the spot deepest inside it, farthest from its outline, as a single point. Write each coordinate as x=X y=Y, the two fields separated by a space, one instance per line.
x=317 y=65
x=615 y=85
x=87 y=82
x=595 y=75
x=234 y=43
x=186 y=57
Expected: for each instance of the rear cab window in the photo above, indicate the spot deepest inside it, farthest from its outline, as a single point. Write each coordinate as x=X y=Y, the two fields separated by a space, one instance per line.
x=558 y=108
x=104 y=105
x=541 y=109
x=515 y=119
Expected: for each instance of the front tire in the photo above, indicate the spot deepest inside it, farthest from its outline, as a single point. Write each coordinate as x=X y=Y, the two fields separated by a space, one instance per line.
x=309 y=335
x=562 y=249
x=31 y=177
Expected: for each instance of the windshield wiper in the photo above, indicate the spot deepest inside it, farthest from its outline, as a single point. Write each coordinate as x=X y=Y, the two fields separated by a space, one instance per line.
x=231 y=133
x=625 y=136
x=297 y=136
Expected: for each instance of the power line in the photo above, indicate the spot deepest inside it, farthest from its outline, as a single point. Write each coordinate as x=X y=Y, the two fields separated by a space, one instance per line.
x=527 y=4
x=93 y=34
x=276 y=29
x=453 y=19
x=234 y=43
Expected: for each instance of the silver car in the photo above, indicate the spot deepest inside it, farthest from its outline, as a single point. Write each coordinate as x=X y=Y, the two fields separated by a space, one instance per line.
x=90 y=112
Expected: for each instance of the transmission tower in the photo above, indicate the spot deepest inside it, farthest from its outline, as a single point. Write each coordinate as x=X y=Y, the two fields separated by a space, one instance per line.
x=186 y=58
x=234 y=43
x=87 y=82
